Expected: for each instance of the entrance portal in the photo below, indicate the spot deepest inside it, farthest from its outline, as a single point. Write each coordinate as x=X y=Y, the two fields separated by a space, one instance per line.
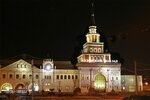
x=100 y=83
x=36 y=87
x=20 y=88
x=6 y=87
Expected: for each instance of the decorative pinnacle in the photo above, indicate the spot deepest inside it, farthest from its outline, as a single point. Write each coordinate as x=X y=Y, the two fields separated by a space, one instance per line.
x=92 y=15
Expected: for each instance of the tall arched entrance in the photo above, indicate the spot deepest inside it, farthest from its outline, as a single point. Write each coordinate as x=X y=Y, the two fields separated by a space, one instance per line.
x=100 y=83
x=6 y=87
x=36 y=87
x=20 y=88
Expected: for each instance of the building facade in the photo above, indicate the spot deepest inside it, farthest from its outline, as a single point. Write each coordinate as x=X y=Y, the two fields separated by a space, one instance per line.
x=95 y=69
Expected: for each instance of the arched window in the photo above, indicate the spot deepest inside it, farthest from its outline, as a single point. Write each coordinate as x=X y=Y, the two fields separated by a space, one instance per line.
x=17 y=76
x=24 y=76
x=4 y=75
x=10 y=76
x=30 y=76
x=37 y=76
x=76 y=77
x=95 y=49
x=91 y=49
x=72 y=76
x=57 y=76
x=68 y=76
x=99 y=50
x=65 y=77
x=61 y=77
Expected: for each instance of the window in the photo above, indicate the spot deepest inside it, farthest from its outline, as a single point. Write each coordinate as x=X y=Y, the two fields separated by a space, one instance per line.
x=68 y=76
x=24 y=76
x=95 y=49
x=82 y=77
x=91 y=57
x=10 y=76
x=76 y=77
x=95 y=58
x=61 y=77
x=112 y=78
x=72 y=76
x=4 y=75
x=57 y=76
x=99 y=50
x=17 y=76
x=49 y=77
x=91 y=49
x=65 y=77
x=37 y=76
x=116 y=78
x=30 y=76
x=87 y=77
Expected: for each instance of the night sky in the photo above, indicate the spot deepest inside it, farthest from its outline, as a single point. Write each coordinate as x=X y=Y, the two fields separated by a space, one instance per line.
x=54 y=28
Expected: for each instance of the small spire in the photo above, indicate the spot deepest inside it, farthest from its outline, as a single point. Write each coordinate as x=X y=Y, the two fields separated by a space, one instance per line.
x=92 y=15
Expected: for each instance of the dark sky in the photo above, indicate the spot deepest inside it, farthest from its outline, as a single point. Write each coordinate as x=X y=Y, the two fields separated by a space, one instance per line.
x=41 y=27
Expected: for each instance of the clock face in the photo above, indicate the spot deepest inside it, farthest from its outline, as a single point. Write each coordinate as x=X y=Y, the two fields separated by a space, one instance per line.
x=48 y=67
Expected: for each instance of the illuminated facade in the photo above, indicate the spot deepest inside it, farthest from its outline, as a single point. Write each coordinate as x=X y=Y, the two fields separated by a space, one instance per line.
x=95 y=69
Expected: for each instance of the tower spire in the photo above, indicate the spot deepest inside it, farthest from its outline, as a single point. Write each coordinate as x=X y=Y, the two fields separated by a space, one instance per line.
x=92 y=15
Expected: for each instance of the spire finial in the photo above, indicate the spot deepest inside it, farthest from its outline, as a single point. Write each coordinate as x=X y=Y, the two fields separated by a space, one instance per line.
x=92 y=14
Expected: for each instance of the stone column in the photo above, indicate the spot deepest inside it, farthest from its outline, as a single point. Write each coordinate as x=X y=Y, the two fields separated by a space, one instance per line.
x=90 y=77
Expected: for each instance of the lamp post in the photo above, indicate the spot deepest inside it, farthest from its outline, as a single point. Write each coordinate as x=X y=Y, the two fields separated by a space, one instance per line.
x=32 y=80
x=107 y=80
x=0 y=77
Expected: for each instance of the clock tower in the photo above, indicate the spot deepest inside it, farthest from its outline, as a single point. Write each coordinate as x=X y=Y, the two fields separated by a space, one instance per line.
x=48 y=74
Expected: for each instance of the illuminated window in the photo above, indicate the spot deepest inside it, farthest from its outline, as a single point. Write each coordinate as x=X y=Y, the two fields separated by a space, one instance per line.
x=65 y=77
x=72 y=76
x=57 y=76
x=17 y=76
x=37 y=76
x=82 y=77
x=18 y=66
x=10 y=76
x=76 y=77
x=22 y=66
x=61 y=77
x=68 y=76
x=24 y=76
x=4 y=75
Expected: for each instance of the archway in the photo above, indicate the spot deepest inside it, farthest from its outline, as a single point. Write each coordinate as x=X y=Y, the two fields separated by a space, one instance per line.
x=100 y=83
x=6 y=87
x=36 y=87
x=20 y=88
